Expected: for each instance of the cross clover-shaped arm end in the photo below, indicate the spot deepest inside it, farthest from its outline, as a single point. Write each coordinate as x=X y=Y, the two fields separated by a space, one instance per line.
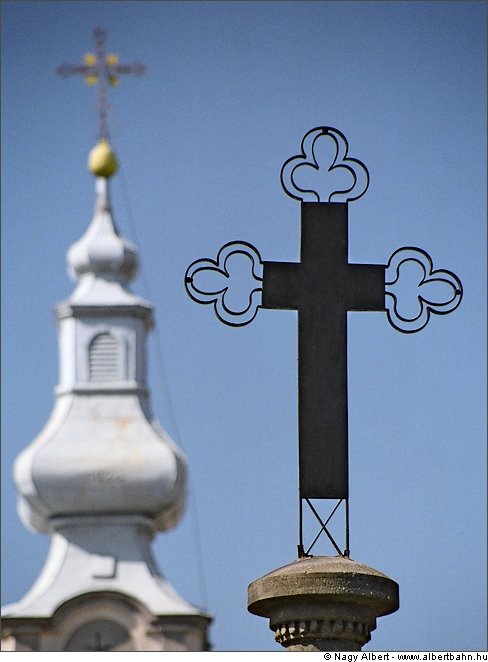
x=233 y=283
x=414 y=290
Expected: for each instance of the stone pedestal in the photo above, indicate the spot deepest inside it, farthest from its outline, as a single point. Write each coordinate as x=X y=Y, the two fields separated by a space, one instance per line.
x=323 y=603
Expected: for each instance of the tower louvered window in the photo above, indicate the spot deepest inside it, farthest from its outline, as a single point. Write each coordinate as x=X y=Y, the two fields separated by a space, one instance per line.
x=104 y=358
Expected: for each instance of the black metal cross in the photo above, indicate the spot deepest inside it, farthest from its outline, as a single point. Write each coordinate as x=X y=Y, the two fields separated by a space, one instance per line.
x=323 y=287
x=101 y=69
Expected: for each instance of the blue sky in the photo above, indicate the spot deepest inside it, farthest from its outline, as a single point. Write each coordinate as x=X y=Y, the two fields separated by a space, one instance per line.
x=230 y=90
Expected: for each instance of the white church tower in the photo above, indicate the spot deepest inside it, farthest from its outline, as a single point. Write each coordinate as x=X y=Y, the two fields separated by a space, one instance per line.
x=102 y=478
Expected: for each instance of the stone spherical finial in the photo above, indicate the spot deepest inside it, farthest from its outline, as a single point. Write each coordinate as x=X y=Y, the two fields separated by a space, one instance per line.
x=101 y=160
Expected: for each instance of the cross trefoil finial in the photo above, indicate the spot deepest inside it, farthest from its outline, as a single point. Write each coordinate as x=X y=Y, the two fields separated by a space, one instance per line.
x=101 y=69
x=323 y=287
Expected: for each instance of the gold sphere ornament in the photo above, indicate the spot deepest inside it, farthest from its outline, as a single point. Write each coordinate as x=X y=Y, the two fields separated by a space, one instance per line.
x=101 y=160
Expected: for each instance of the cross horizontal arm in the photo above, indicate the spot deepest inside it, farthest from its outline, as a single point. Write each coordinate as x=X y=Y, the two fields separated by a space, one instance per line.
x=367 y=287
x=65 y=70
x=281 y=285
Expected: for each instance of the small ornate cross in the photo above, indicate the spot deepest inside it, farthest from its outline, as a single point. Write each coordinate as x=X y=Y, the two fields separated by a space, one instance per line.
x=101 y=69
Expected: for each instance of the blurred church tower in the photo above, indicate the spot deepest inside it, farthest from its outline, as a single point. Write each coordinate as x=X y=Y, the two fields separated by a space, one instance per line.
x=102 y=478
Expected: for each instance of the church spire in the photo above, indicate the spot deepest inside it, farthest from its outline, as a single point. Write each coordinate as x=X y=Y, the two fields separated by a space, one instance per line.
x=102 y=477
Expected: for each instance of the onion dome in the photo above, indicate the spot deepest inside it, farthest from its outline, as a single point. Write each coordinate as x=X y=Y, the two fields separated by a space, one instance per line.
x=100 y=455
x=101 y=251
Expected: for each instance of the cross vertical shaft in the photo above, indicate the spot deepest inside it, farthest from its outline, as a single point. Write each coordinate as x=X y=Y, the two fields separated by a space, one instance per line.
x=323 y=287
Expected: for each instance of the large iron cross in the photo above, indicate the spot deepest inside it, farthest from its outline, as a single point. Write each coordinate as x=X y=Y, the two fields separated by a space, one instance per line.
x=102 y=70
x=323 y=287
